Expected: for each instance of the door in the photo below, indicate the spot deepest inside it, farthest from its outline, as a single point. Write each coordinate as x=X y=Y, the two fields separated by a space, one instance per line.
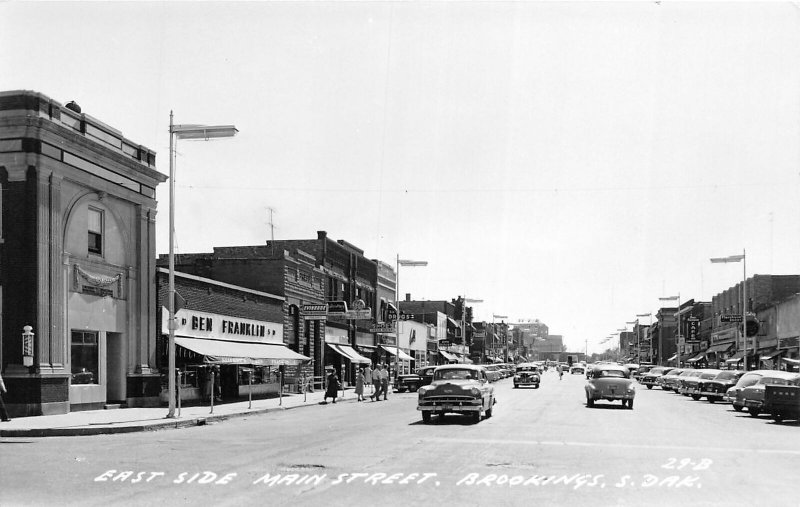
x=115 y=368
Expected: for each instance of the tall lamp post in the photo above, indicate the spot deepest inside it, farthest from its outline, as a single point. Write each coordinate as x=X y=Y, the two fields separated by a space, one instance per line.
x=203 y=132
x=677 y=330
x=493 y=334
x=400 y=262
x=649 y=330
x=737 y=258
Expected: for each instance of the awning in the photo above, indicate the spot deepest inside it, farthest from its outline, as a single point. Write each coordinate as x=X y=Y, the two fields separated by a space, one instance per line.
x=698 y=357
x=672 y=358
x=735 y=358
x=393 y=350
x=768 y=355
x=464 y=359
x=347 y=352
x=448 y=356
x=721 y=347
x=235 y=352
x=795 y=362
x=453 y=323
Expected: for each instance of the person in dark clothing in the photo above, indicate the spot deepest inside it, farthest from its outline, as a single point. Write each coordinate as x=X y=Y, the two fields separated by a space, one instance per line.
x=333 y=387
x=3 y=412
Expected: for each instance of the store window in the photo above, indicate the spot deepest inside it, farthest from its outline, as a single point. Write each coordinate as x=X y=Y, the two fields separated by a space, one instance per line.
x=95 y=231
x=85 y=354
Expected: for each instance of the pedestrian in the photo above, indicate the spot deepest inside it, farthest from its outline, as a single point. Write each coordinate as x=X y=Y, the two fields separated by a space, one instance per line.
x=3 y=412
x=333 y=387
x=376 y=382
x=384 y=382
x=368 y=378
x=360 y=384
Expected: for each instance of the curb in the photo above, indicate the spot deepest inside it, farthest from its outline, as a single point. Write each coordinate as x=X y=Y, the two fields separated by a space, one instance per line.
x=111 y=429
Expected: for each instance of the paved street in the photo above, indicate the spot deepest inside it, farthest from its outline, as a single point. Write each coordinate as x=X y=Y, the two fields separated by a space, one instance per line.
x=540 y=447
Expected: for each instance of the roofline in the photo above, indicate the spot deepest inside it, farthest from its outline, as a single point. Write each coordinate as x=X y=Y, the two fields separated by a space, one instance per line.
x=221 y=284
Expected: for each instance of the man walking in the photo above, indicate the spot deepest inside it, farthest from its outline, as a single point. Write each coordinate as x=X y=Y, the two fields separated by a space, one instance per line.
x=384 y=382
x=368 y=378
x=376 y=382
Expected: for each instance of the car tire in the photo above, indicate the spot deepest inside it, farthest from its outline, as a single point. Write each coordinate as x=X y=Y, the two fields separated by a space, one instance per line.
x=754 y=411
x=630 y=404
x=589 y=402
x=778 y=418
x=516 y=386
x=413 y=389
x=536 y=386
x=696 y=397
x=476 y=417
x=426 y=417
x=649 y=386
x=738 y=408
x=488 y=413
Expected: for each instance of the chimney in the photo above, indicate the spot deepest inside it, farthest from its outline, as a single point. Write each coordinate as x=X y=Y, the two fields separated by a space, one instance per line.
x=73 y=106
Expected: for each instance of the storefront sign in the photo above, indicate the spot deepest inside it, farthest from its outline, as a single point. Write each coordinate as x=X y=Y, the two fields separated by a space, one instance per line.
x=315 y=312
x=194 y=324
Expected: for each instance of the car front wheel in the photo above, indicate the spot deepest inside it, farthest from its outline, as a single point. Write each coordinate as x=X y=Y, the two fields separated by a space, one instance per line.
x=754 y=411
x=589 y=402
x=630 y=404
x=426 y=417
x=476 y=417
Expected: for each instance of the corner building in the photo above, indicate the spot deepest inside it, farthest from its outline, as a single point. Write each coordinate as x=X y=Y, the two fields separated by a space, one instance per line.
x=77 y=260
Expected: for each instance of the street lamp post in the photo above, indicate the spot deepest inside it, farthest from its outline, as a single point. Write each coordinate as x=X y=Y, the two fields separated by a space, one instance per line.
x=677 y=331
x=737 y=258
x=204 y=132
x=649 y=330
x=400 y=262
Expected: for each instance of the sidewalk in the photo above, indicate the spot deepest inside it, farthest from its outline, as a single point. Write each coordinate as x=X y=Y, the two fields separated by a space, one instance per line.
x=126 y=420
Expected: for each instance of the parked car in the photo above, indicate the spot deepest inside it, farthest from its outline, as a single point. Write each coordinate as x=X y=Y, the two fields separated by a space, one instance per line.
x=610 y=383
x=650 y=378
x=714 y=389
x=686 y=379
x=413 y=381
x=748 y=379
x=492 y=372
x=669 y=382
x=527 y=374
x=457 y=388
x=782 y=402
x=753 y=396
x=641 y=370
x=691 y=385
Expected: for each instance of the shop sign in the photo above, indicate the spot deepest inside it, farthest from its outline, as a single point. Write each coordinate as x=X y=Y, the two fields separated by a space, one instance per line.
x=194 y=324
x=382 y=327
x=315 y=312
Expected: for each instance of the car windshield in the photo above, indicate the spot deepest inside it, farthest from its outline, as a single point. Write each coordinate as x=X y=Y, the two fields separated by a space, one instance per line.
x=708 y=375
x=609 y=373
x=748 y=380
x=726 y=375
x=526 y=368
x=455 y=374
x=775 y=381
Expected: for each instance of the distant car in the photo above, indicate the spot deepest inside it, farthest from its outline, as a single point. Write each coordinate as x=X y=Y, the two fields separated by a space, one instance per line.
x=577 y=370
x=714 y=389
x=641 y=370
x=651 y=377
x=493 y=373
x=753 y=396
x=527 y=374
x=610 y=383
x=413 y=381
x=457 y=388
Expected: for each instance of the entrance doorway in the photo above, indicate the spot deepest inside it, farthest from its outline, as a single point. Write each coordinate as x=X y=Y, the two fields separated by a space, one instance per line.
x=115 y=368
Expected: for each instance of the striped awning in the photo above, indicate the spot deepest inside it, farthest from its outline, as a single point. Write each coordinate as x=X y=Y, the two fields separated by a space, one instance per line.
x=236 y=352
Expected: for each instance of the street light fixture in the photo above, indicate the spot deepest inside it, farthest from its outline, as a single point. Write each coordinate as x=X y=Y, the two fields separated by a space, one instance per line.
x=677 y=332
x=737 y=258
x=204 y=132
x=409 y=263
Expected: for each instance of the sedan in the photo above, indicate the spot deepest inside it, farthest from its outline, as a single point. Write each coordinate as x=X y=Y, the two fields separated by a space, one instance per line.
x=748 y=379
x=610 y=382
x=412 y=382
x=527 y=374
x=714 y=388
x=460 y=389
x=669 y=381
x=650 y=378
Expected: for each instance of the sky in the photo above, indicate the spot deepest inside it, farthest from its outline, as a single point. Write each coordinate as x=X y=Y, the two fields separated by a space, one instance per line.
x=570 y=162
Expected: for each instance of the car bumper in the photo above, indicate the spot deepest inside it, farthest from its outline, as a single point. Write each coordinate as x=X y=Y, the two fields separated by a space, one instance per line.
x=753 y=403
x=444 y=408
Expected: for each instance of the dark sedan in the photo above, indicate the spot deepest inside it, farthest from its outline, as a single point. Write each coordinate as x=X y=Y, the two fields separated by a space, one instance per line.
x=413 y=381
x=714 y=389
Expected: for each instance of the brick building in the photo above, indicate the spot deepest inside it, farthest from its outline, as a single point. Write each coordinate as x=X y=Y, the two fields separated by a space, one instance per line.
x=77 y=259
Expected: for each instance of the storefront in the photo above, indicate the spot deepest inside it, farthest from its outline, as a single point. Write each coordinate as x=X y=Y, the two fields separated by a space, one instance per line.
x=341 y=356
x=244 y=348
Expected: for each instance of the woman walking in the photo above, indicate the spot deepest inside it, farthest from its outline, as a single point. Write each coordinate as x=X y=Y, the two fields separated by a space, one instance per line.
x=360 y=384
x=333 y=387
